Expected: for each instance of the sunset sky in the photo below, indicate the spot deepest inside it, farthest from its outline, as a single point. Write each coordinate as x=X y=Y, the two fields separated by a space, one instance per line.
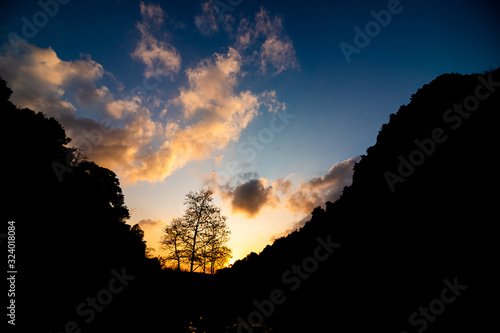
x=270 y=103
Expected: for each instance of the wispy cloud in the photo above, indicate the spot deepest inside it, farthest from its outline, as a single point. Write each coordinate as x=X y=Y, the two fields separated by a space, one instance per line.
x=208 y=21
x=149 y=224
x=215 y=15
x=275 y=50
x=317 y=190
x=213 y=115
x=40 y=79
x=138 y=146
x=278 y=54
x=261 y=40
x=206 y=114
x=159 y=56
x=250 y=195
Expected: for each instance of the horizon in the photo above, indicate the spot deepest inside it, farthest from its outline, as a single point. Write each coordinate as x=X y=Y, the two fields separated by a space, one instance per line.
x=271 y=106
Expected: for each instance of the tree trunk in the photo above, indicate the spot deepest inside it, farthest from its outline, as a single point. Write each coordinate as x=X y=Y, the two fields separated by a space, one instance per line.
x=193 y=253
x=194 y=246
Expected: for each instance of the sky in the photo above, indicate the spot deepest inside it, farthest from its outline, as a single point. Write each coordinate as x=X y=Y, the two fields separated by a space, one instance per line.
x=269 y=103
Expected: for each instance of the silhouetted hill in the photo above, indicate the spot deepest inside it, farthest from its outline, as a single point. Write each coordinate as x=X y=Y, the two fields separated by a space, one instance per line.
x=79 y=266
x=420 y=211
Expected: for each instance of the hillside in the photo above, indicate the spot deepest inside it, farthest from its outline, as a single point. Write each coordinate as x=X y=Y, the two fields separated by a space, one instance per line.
x=403 y=227
x=80 y=268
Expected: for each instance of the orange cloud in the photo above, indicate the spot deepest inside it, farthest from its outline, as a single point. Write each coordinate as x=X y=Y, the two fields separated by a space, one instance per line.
x=213 y=115
x=276 y=48
x=316 y=191
x=40 y=79
x=149 y=224
x=207 y=21
x=254 y=194
x=160 y=57
x=137 y=147
x=204 y=117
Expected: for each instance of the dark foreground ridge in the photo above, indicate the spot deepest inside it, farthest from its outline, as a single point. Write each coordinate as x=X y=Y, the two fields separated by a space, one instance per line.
x=409 y=247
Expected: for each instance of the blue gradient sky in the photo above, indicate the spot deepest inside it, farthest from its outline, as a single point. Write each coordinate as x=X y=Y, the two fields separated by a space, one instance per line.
x=338 y=106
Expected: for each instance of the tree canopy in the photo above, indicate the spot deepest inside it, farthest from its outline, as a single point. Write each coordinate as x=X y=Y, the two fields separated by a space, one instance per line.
x=197 y=240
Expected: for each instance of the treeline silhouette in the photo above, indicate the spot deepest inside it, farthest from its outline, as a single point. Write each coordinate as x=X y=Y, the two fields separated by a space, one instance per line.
x=71 y=240
x=417 y=213
x=397 y=247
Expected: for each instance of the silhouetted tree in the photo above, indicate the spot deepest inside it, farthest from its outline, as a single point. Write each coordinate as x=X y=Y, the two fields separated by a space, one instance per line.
x=215 y=254
x=173 y=242
x=198 y=238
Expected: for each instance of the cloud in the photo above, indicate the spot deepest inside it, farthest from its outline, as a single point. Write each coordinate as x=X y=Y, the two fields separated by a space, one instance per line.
x=207 y=21
x=277 y=53
x=212 y=116
x=39 y=79
x=319 y=189
x=252 y=194
x=295 y=226
x=149 y=224
x=138 y=142
x=215 y=14
x=211 y=113
x=160 y=57
x=283 y=186
x=151 y=13
x=42 y=81
x=263 y=38
x=276 y=50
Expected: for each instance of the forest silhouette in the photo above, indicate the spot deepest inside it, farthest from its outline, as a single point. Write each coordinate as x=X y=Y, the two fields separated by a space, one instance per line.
x=420 y=211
